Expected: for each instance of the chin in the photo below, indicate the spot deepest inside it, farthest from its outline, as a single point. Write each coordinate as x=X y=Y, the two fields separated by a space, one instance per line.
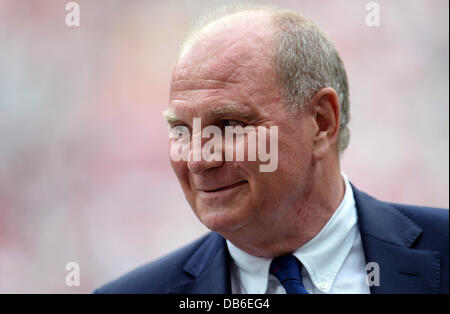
x=224 y=220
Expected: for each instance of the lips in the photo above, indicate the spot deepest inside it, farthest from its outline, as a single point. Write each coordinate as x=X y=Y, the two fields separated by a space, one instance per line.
x=222 y=188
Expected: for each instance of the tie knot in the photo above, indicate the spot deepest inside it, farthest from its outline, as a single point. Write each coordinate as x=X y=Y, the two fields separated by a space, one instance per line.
x=287 y=269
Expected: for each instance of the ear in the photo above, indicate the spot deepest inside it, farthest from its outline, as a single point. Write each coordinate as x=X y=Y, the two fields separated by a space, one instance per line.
x=325 y=108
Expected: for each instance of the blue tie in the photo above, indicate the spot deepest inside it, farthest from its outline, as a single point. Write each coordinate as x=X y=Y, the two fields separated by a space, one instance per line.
x=287 y=269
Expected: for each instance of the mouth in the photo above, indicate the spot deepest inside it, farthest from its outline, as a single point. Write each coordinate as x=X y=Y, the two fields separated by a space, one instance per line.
x=224 y=187
x=214 y=192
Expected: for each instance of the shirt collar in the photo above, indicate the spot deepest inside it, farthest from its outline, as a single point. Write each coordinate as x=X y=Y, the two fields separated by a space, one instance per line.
x=322 y=256
x=253 y=270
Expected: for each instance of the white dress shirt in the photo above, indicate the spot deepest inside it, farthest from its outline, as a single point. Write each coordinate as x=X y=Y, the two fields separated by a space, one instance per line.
x=333 y=261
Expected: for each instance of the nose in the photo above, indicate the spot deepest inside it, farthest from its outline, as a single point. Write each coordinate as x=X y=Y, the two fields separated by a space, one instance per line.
x=200 y=164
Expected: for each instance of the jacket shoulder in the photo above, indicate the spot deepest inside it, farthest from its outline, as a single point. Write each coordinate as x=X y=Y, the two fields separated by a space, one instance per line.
x=433 y=221
x=154 y=277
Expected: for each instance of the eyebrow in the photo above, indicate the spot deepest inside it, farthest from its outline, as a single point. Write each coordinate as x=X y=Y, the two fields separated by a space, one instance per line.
x=231 y=109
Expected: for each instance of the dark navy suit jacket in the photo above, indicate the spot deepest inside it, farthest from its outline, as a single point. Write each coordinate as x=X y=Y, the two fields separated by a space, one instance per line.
x=409 y=243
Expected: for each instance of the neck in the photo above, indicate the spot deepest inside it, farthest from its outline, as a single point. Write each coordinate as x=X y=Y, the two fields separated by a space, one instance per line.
x=290 y=228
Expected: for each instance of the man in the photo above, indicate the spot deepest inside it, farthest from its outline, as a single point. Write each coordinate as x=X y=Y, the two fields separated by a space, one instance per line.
x=302 y=228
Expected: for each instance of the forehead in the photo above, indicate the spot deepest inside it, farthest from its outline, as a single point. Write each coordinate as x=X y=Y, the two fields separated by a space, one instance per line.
x=231 y=63
x=203 y=99
x=242 y=40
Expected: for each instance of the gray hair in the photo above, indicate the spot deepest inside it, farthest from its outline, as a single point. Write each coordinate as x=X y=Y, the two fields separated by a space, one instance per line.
x=305 y=60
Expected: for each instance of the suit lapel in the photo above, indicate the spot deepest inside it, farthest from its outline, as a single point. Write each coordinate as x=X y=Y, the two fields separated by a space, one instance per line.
x=388 y=238
x=208 y=269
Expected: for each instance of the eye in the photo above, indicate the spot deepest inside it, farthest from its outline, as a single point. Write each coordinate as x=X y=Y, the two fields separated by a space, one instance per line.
x=230 y=122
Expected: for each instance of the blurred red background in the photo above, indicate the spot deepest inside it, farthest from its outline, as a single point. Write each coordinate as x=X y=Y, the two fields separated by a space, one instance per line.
x=84 y=166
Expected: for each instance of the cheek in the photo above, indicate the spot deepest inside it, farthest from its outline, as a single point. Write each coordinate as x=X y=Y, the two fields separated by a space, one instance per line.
x=296 y=146
x=294 y=160
x=181 y=171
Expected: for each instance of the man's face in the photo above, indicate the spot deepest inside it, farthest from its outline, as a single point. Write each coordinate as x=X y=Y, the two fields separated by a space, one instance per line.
x=235 y=71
